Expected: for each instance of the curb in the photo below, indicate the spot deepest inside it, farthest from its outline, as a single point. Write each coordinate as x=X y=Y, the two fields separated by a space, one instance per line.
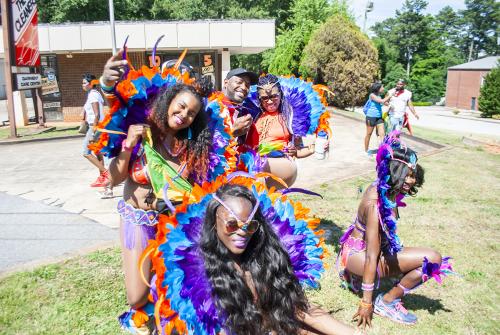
x=410 y=137
x=20 y=141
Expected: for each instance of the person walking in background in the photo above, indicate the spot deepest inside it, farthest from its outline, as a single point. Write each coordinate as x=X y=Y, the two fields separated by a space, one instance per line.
x=92 y=114
x=373 y=112
x=400 y=98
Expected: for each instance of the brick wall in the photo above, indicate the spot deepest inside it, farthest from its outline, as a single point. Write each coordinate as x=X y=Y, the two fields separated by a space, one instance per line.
x=70 y=77
x=462 y=86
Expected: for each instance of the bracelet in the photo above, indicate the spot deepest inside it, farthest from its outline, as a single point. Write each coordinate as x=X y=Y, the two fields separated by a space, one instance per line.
x=367 y=287
x=365 y=304
x=125 y=147
x=104 y=87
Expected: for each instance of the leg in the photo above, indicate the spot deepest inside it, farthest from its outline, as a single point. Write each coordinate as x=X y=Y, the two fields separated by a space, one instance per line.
x=137 y=290
x=283 y=168
x=88 y=154
x=95 y=161
x=380 y=132
x=369 y=131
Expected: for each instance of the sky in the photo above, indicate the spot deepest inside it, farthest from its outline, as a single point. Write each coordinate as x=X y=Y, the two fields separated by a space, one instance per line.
x=383 y=9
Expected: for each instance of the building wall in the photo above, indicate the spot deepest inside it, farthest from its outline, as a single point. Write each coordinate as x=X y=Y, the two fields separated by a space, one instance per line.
x=462 y=86
x=70 y=78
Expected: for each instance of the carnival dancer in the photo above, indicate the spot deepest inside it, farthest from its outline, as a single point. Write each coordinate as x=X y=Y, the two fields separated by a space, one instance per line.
x=400 y=99
x=287 y=110
x=371 y=249
x=233 y=261
x=161 y=142
x=373 y=113
x=93 y=113
x=228 y=103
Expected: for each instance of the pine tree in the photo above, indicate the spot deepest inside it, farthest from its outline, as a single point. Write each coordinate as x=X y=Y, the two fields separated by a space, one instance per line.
x=489 y=100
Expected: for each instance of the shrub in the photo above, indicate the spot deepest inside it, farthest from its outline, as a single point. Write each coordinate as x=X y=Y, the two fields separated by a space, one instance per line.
x=341 y=56
x=489 y=99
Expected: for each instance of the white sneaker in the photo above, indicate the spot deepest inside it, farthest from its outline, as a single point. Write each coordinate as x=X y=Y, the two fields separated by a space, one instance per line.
x=107 y=193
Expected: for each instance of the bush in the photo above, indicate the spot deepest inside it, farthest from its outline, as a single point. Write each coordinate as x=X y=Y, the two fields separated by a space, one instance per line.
x=341 y=56
x=422 y=103
x=489 y=99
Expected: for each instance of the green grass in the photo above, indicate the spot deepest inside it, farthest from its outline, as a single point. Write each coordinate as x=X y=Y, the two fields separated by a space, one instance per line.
x=28 y=133
x=456 y=212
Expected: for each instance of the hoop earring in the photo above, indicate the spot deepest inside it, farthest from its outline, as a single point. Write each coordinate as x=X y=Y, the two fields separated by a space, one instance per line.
x=190 y=133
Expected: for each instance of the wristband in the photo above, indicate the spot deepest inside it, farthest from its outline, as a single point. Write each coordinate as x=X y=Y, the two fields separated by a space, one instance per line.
x=367 y=287
x=365 y=304
x=125 y=147
x=104 y=87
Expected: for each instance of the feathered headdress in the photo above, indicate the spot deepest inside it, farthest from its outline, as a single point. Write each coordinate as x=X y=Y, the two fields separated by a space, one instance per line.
x=131 y=101
x=386 y=206
x=185 y=300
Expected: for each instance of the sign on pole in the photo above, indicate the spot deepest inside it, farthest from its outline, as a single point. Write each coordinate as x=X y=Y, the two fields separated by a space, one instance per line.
x=28 y=81
x=25 y=31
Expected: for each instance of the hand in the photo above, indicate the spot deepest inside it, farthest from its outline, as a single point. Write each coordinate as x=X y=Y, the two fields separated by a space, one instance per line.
x=135 y=132
x=416 y=115
x=242 y=125
x=112 y=69
x=364 y=316
x=290 y=150
x=327 y=146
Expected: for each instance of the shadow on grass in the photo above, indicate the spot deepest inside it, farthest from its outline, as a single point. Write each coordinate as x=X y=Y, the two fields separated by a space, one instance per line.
x=417 y=302
x=332 y=233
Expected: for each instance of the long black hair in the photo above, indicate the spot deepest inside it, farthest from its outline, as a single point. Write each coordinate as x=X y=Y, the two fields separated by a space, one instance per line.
x=375 y=88
x=197 y=153
x=399 y=170
x=280 y=298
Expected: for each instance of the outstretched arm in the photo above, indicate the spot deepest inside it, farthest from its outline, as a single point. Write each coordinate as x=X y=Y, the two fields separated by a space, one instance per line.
x=323 y=323
x=378 y=99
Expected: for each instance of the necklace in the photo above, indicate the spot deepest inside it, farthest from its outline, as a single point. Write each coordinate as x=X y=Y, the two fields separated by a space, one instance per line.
x=174 y=154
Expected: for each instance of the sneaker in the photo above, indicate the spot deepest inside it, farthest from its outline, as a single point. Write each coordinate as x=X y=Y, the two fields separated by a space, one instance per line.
x=102 y=180
x=107 y=193
x=394 y=311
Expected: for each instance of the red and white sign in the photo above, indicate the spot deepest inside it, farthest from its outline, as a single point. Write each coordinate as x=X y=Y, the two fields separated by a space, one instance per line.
x=25 y=31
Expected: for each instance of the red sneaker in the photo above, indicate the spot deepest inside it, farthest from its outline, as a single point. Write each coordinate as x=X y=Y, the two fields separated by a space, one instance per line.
x=102 y=180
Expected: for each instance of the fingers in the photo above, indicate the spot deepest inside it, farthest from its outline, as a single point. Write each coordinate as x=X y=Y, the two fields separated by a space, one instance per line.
x=369 y=322
x=355 y=316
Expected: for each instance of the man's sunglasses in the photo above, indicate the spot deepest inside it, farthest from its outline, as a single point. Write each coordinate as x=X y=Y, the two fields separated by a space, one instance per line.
x=233 y=224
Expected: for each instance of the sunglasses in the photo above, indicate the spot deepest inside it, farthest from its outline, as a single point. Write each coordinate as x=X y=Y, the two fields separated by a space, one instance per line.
x=234 y=223
x=269 y=97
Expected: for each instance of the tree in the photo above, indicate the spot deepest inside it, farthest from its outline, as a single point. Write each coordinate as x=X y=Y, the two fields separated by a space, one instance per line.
x=489 y=99
x=306 y=16
x=481 y=20
x=341 y=56
x=409 y=32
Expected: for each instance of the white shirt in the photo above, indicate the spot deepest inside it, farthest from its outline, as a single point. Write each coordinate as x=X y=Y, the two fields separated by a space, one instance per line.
x=397 y=104
x=93 y=96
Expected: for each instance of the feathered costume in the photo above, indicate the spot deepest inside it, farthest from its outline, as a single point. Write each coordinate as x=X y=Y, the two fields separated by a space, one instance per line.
x=131 y=101
x=303 y=106
x=387 y=220
x=184 y=299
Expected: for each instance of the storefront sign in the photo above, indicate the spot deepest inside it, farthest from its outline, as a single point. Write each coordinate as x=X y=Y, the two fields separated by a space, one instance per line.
x=28 y=81
x=25 y=31
x=52 y=104
x=49 y=86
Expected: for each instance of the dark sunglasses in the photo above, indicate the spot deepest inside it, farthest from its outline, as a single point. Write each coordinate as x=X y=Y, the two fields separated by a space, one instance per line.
x=269 y=97
x=233 y=225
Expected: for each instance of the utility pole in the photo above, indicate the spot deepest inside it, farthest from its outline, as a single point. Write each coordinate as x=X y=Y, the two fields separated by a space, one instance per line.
x=368 y=9
x=112 y=23
x=7 y=66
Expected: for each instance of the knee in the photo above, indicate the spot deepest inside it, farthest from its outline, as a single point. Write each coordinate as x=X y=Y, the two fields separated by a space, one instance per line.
x=434 y=256
x=137 y=299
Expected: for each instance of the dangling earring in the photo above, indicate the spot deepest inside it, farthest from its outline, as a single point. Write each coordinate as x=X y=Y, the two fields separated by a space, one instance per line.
x=190 y=133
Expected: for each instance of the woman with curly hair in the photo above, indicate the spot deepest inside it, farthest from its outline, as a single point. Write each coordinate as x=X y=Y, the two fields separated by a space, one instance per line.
x=251 y=275
x=371 y=249
x=166 y=149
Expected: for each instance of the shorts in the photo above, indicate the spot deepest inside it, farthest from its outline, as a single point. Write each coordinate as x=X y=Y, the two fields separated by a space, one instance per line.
x=396 y=122
x=372 y=121
x=89 y=136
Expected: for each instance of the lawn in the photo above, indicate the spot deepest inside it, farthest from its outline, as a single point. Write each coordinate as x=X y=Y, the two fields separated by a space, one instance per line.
x=32 y=132
x=457 y=212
